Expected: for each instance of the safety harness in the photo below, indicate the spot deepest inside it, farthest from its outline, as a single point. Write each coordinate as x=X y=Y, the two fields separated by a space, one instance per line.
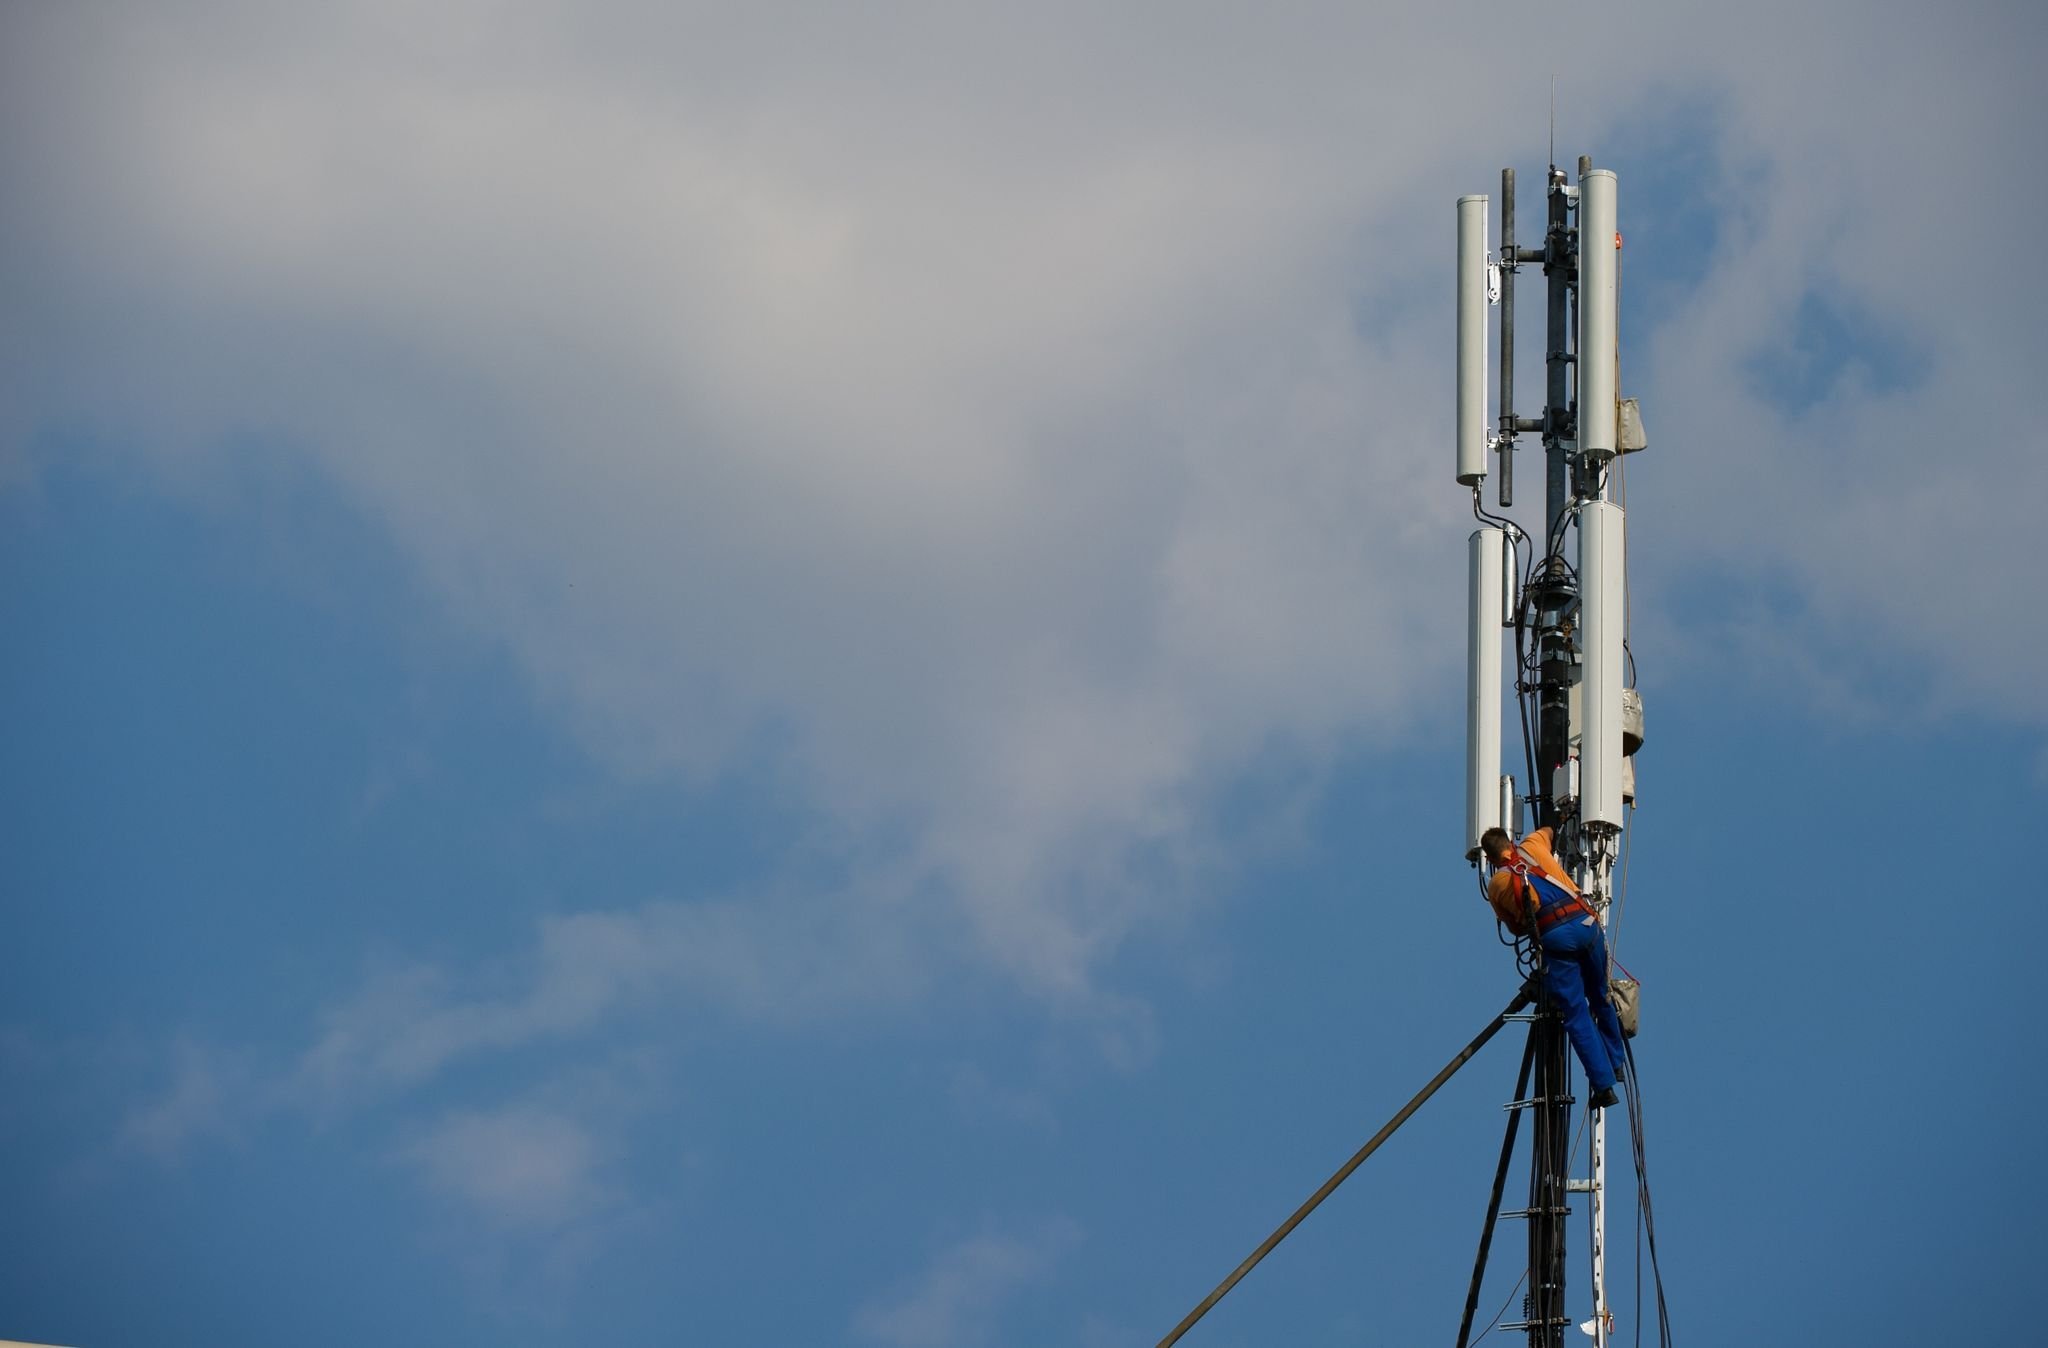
x=1550 y=915
x=1551 y=908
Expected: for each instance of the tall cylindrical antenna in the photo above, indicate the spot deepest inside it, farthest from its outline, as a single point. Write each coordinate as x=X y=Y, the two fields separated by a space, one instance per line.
x=1599 y=320
x=1483 y=649
x=1601 y=619
x=1471 y=340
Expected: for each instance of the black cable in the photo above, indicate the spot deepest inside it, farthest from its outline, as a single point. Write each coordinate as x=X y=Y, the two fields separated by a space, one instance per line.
x=1639 y=1274
x=1524 y=690
x=1501 y=522
x=1500 y=929
x=1525 y=556
x=1649 y=1222
x=1553 y=543
x=1619 y=905
x=1644 y=1207
x=1495 y=1323
x=1524 y=577
x=1344 y=1171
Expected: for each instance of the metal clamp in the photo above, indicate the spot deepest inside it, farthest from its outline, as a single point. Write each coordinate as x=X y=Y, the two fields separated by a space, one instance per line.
x=1542 y=1100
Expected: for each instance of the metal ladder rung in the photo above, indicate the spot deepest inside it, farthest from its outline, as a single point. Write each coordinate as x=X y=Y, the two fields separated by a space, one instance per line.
x=1531 y=1212
x=1541 y=1100
x=1536 y=1324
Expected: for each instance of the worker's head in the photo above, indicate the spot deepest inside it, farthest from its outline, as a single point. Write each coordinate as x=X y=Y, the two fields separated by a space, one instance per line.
x=1497 y=845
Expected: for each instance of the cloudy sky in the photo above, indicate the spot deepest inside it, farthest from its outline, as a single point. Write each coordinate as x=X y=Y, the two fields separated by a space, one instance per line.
x=792 y=674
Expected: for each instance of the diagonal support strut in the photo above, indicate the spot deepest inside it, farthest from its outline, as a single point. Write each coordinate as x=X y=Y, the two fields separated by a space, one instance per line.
x=1522 y=999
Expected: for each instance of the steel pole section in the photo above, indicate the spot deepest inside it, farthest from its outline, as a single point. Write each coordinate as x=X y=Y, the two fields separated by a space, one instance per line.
x=1550 y=1158
x=1506 y=439
x=1599 y=1235
x=1544 y=1315
x=1554 y=589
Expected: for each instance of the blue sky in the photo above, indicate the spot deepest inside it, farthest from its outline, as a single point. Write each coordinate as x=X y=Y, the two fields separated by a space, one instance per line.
x=742 y=677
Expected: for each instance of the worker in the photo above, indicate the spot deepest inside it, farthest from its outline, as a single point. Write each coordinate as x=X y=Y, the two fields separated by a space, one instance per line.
x=1529 y=887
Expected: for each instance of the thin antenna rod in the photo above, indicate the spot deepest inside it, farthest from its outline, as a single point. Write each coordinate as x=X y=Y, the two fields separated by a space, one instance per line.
x=1553 y=121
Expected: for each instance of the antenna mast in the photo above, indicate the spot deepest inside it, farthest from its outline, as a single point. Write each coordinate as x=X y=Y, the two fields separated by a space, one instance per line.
x=1565 y=606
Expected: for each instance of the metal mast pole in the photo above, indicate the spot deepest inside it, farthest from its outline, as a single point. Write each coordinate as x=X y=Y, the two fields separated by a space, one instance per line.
x=1575 y=614
x=1554 y=589
x=1550 y=1159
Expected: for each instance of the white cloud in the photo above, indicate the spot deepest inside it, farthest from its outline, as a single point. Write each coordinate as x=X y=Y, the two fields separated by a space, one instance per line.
x=530 y=1192
x=978 y=1099
x=524 y=1167
x=774 y=961
x=958 y=1298
x=212 y=1095
x=960 y=407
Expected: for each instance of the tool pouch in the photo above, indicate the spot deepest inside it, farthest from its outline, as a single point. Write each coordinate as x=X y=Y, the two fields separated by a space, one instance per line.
x=1625 y=993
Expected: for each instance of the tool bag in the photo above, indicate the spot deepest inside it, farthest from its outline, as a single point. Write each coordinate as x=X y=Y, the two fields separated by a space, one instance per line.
x=1625 y=992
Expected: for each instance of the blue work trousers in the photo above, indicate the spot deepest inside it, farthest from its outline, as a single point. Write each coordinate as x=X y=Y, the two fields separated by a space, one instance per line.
x=1575 y=976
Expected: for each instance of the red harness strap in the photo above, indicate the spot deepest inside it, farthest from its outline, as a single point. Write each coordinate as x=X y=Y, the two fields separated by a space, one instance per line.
x=1546 y=918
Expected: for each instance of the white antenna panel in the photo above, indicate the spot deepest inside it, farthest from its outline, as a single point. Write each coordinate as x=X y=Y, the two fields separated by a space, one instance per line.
x=1483 y=686
x=1472 y=300
x=1599 y=316
x=1602 y=623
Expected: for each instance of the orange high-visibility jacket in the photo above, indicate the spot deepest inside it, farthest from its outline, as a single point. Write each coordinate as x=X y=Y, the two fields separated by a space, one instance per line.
x=1510 y=897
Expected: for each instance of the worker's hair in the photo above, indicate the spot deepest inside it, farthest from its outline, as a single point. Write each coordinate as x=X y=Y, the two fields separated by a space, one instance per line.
x=1495 y=840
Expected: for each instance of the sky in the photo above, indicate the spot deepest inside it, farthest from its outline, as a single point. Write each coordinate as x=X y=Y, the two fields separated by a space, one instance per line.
x=792 y=674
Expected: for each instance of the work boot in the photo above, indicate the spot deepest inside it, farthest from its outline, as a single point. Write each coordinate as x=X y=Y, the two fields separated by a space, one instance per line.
x=1603 y=1097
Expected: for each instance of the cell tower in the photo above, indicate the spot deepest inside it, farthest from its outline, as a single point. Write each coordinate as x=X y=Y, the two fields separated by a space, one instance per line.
x=1563 y=595
x=1564 y=600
